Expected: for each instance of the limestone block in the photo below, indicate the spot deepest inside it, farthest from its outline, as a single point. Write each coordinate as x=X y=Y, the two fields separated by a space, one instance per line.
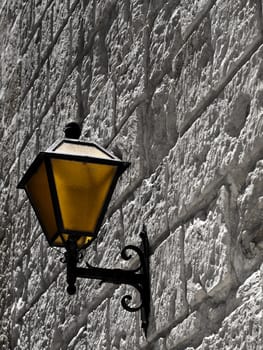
x=37 y=42
x=31 y=16
x=54 y=26
x=9 y=12
x=248 y=317
x=164 y=38
x=110 y=242
x=124 y=327
x=191 y=11
x=132 y=220
x=168 y=283
x=9 y=42
x=59 y=60
x=23 y=121
x=81 y=340
x=6 y=293
x=103 y=9
x=80 y=25
x=82 y=87
x=211 y=53
x=232 y=35
x=29 y=64
x=189 y=180
x=132 y=94
x=40 y=93
x=9 y=96
x=45 y=32
x=197 y=168
x=151 y=204
x=250 y=224
x=160 y=345
x=65 y=106
x=250 y=204
x=22 y=226
x=32 y=266
x=71 y=310
x=38 y=326
x=207 y=253
x=4 y=214
x=9 y=127
x=98 y=327
x=27 y=151
x=48 y=133
x=24 y=332
x=122 y=30
x=104 y=15
x=149 y=207
x=191 y=328
x=59 y=12
x=51 y=52
x=127 y=145
x=160 y=129
x=192 y=70
x=33 y=279
x=126 y=47
x=99 y=124
x=41 y=268
x=4 y=342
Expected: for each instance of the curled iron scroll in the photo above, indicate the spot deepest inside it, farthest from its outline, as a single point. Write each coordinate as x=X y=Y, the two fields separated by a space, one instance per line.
x=127 y=257
x=125 y=301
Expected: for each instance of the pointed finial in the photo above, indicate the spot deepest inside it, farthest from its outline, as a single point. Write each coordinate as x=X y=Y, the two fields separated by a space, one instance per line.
x=72 y=130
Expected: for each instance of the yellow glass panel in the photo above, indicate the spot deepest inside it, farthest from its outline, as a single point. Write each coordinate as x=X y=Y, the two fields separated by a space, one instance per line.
x=39 y=194
x=81 y=150
x=81 y=242
x=82 y=189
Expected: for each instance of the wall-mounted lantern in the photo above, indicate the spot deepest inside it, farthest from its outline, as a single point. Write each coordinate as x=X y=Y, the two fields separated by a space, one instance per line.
x=69 y=187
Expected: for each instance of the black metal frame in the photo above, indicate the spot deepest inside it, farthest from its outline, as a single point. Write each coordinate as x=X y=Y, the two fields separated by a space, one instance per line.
x=138 y=278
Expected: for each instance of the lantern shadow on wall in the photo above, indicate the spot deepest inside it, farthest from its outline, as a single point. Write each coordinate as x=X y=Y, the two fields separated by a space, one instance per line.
x=69 y=187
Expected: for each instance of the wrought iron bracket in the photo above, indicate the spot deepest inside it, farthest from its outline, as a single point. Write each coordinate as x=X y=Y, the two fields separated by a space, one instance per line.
x=139 y=278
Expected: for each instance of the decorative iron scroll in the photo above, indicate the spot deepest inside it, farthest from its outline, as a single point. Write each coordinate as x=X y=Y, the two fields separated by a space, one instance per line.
x=138 y=277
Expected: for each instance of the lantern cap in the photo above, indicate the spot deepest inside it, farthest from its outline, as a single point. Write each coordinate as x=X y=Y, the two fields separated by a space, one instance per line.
x=72 y=130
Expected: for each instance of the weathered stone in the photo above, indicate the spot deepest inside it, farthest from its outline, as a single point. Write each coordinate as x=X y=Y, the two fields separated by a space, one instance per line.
x=97 y=327
x=174 y=87
x=168 y=283
x=249 y=314
x=80 y=342
x=124 y=327
x=99 y=126
x=207 y=253
x=190 y=328
x=127 y=145
x=211 y=54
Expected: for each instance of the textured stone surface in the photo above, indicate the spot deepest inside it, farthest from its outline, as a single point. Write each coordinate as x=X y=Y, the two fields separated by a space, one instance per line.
x=168 y=287
x=208 y=253
x=174 y=87
x=248 y=313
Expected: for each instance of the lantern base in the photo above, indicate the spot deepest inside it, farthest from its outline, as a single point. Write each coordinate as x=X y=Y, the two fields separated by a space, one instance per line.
x=139 y=278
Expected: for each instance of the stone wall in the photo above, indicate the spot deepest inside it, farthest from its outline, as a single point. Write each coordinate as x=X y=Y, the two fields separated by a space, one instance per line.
x=176 y=88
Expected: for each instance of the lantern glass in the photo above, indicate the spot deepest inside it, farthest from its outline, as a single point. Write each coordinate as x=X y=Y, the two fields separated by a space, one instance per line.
x=38 y=191
x=81 y=190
